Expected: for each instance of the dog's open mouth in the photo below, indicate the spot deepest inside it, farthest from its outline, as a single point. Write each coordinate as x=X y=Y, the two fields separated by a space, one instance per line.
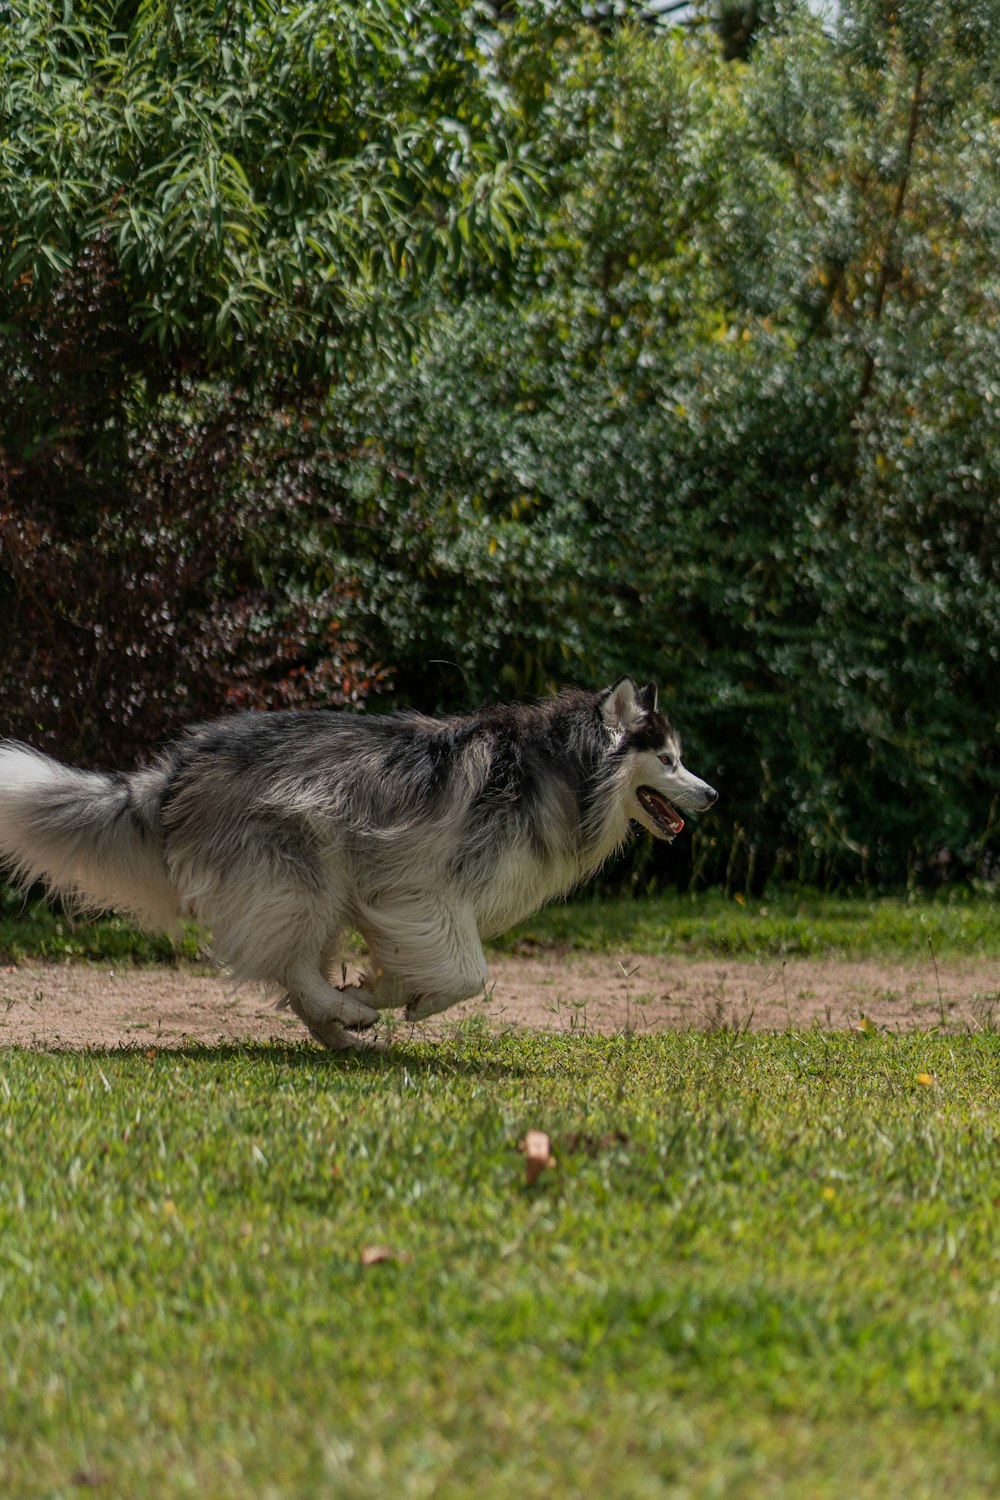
x=659 y=809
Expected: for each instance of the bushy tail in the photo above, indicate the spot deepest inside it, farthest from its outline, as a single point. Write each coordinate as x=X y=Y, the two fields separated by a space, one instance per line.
x=93 y=839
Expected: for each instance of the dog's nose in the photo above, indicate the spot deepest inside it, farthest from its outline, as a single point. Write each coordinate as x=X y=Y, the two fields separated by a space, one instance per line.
x=711 y=795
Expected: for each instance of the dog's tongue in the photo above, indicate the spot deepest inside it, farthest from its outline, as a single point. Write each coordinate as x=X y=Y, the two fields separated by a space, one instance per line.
x=668 y=819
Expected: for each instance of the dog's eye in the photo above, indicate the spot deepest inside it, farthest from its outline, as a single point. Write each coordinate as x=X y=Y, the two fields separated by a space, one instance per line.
x=670 y=761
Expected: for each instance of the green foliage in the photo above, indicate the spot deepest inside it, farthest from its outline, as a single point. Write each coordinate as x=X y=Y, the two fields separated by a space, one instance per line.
x=252 y=170
x=759 y=1264
x=207 y=209
x=739 y=435
x=300 y=401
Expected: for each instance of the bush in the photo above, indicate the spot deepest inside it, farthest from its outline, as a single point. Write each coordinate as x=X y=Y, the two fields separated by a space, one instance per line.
x=723 y=414
x=739 y=437
x=206 y=213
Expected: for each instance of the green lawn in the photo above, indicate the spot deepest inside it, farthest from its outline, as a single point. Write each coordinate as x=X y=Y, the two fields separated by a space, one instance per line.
x=762 y=1265
x=955 y=924
x=807 y=924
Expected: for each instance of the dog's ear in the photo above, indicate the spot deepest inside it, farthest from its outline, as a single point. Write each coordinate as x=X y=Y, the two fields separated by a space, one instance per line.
x=621 y=705
x=646 y=697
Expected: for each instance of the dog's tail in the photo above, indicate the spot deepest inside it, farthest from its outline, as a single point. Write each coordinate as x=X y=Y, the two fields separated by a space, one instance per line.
x=93 y=839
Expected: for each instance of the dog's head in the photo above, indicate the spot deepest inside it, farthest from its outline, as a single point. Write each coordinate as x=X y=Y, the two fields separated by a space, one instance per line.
x=658 y=783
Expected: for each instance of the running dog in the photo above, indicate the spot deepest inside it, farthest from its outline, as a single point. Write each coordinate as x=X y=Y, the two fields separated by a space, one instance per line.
x=280 y=830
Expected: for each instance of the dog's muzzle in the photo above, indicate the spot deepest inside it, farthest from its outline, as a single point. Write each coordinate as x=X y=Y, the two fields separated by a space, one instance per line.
x=663 y=815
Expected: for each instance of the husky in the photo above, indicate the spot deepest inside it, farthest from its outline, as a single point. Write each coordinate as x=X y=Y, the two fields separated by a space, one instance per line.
x=280 y=830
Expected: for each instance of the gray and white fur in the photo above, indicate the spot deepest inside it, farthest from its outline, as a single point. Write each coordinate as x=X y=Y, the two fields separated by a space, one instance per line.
x=280 y=830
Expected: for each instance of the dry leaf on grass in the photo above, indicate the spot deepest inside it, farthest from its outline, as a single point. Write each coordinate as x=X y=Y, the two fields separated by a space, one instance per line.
x=374 y=1255
x=537 y=1150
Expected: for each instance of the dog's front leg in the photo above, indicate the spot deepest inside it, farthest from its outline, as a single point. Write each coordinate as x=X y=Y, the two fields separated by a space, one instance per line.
x=332 y=1033
x=425 y=956
x=331 y=1013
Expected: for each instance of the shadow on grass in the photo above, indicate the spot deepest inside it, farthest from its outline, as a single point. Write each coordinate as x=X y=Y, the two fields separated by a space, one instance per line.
x=470 y=1054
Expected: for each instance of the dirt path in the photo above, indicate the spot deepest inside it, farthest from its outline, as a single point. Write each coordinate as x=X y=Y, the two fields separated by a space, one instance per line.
x=76 y=1006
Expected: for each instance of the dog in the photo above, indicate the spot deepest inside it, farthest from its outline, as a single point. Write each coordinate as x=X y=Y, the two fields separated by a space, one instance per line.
x=279 y=830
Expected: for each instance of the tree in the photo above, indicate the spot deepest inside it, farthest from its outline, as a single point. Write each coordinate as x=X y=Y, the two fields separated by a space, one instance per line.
x=740 y=434
x=208 y=210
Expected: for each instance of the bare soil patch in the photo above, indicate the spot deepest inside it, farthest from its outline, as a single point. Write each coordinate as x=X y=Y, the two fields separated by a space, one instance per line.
x=78 y=1006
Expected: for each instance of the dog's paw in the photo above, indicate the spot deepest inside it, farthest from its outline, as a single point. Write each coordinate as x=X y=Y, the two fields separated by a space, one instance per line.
x=368 y=1041
x=363 y=1041
x=340 y=1038
x=354 y=1012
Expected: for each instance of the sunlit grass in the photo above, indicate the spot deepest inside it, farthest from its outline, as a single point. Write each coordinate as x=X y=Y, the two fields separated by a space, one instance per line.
x=760 y=1265
x=32 y=929
x=807 y=924
x=787 y=924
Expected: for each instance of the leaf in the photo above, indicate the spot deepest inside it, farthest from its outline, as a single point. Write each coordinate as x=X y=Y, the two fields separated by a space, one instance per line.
x=374 y=1255
x=538 y=1156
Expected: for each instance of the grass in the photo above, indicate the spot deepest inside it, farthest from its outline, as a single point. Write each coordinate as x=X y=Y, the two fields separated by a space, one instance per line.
x=788 y=924
x=806 y=924
x=760 y=1265
x=32 y=929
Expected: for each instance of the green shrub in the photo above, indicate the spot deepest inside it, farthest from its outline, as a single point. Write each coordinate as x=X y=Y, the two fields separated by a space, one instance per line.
x=206 y=212
x=739 y=435
x=296 y=401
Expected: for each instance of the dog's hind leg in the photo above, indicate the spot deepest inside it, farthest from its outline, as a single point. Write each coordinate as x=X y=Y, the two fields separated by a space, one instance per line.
x=278 y=927
x=425 y=955
x=330 y=1013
